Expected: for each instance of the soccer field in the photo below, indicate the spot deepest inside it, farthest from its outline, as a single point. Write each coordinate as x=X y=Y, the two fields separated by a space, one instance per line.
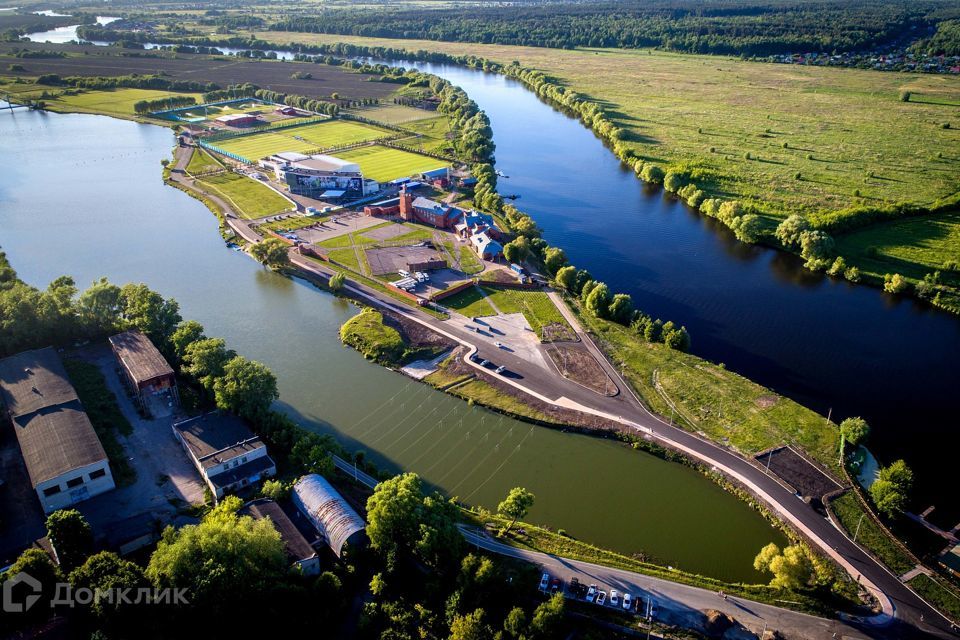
x=384 y=164
x=310 y=137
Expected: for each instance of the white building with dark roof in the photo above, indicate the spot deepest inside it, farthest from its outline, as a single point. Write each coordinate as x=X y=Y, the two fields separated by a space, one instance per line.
x=225 y=451
x=63 y=455
x=314 y=175
x=329 y=513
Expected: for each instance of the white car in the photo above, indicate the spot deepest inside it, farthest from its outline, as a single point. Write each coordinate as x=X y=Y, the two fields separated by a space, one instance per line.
x=601 y=598
x=627 y=601
x=614 y=598
x=544 y=582
x=500 y=369
x=499 y=345
x=592 y=593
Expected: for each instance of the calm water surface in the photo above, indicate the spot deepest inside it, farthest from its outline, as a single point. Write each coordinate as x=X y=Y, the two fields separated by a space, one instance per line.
x=70 y=204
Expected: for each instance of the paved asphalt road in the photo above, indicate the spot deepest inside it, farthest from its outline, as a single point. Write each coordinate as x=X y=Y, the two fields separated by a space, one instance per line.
x=905 y=615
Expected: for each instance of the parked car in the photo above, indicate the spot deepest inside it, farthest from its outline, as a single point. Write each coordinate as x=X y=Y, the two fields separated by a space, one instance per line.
x=544 y=581
x=627 y=601
x=501 y=369
x=592 y=593
x=614 y=598
x=484 y=363
x=555 y=585
x=653 y=609
x=601 y=597
x=499 y=345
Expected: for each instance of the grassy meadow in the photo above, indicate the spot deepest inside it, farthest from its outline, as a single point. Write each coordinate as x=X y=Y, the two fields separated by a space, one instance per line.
x=249 y=198
x=202 y=161
x=113 y=102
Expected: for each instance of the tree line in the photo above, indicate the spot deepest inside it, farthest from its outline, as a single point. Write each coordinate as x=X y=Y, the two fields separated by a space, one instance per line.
x=129 y=82
x=738 y=28
x=163 y=104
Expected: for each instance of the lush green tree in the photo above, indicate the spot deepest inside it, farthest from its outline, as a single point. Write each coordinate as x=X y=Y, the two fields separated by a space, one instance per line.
x=651 y=173
x=516 y=505
x=621 y=309
x=586 y=288
x=583 y=277
x=36 y=564
x=816 y=247
x=205 y=360
x=106 y=571
x=402 y=522
x=895 y=283
x=517 y=250
x=336 y=281
x=653 y=332
x=791 y=569
x=100 y=306
x=471 y=627
x=566 y=278
x=525 y=226
x=899 y=474
x=311 y=454
x=854 y=430
x=247 y=388
x=598 y=302
x=790 y=230
x=150 y=312
x=227 y=562
x=887 y=497
x=515 y=623
x=547 y=620
x=71 y=537
x=673 y=181
x=554 y=258
x=184 y=335
x=272 y=252
x=748 y=228
x=677 y=338
x=275 y=490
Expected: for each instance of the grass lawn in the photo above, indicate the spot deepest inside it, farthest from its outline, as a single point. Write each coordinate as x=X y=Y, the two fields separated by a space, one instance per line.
x=470 y=302
x=934 y=591
x=113 y=102
x=202 y=161
x=849 y=511
x=384 y=164
x=469 y=262
x=433 y=134
x=840 y=125
x=535 y=306
x=311 y=137
x=912 y=247
x=726 y=407
x=367 y=333
x=347 y=257
x=249 y=198
x=393 y=114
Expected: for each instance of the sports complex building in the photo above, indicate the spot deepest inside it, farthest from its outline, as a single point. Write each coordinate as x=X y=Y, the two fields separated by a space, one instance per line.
x=319 y=176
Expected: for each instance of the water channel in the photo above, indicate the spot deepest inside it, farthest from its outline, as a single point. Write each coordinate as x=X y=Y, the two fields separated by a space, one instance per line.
x=71 y=204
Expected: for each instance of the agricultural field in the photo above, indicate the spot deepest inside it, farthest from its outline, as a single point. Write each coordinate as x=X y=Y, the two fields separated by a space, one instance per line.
x=249 y=198
x=842 y=130
x=311 y=137
x=113 y=102
x=221 y=70
x=384 y=164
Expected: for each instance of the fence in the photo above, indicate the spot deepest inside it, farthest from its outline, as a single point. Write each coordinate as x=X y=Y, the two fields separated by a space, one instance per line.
x=224 y=152
x=273 y=126
x=173 y=112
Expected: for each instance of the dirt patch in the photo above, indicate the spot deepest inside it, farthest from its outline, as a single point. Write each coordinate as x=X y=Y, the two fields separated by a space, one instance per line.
x=557 y=332
x=415 y=334
x=800 y=473
x=392 y=259
x=576 y=363
x=765 y=402
x=387 y=232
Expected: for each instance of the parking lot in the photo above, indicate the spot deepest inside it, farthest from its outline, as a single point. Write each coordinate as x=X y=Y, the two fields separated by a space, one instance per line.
x=388 y=260
x=335 y=226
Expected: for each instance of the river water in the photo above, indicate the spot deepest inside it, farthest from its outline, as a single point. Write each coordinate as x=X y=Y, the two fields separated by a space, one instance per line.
x=71 y=204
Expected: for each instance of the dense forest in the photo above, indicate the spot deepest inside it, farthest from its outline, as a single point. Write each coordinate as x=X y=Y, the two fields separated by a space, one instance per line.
x=715 y=26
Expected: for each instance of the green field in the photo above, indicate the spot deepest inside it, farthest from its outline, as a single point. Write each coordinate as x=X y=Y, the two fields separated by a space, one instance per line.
x=393 y=113
x=676 y=107
x=850 y=513
x=311 y=137
x=249 y=198
x=933 y=590
x=114 y=102
x=384 y=164
x=202 y=161
x=707 y=398
x=912 y=247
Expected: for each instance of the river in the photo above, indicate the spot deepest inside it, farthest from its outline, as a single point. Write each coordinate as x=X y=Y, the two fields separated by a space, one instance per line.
x=70 y=204
x=838 y=348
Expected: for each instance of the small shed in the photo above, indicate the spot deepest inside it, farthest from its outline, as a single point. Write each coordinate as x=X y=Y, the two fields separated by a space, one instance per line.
x=326 y=509
x=145 y=369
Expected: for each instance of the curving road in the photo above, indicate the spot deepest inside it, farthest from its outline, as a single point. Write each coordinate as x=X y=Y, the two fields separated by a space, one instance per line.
x=904 y=613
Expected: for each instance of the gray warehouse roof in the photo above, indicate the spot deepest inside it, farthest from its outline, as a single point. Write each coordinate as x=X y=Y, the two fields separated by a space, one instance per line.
x=295 y=545
x=32 y=380
x=327 y=510
x=54 y=432
x=139 y=357
x=216 y=437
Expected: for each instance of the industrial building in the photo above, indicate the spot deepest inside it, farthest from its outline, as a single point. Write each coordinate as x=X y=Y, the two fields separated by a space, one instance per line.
x=239 y=120
x=227 y=453
x=145 y=371
x=329 y=513
x=299 y=552
x=319 y=176
x=63 y=455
